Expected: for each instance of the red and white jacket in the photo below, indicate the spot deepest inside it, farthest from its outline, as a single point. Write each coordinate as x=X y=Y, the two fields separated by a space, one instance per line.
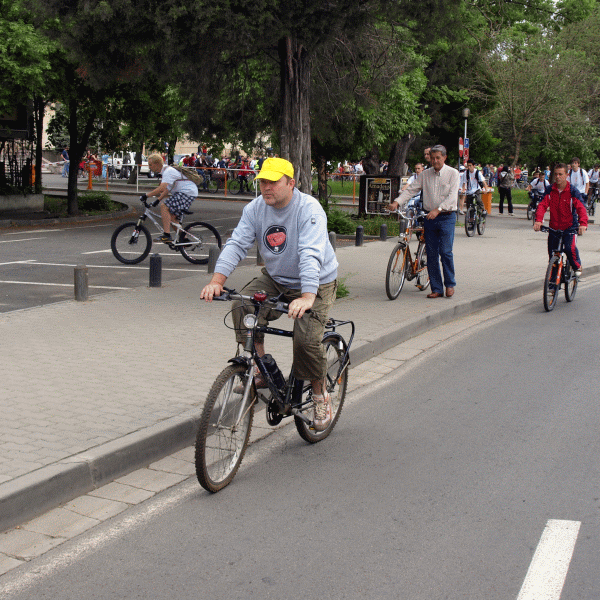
x=561 y=206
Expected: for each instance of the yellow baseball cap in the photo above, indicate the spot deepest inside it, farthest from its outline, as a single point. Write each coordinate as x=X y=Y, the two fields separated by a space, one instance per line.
x=274 y=169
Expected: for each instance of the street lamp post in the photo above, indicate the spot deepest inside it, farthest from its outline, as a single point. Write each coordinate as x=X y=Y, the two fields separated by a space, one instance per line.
x=465 y=113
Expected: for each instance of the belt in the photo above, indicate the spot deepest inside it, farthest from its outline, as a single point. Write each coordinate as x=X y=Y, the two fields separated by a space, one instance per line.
x=442 y=212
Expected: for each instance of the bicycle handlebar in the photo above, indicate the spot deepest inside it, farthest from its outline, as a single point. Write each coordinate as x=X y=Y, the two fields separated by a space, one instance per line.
x=144 y=201
x=258 y=298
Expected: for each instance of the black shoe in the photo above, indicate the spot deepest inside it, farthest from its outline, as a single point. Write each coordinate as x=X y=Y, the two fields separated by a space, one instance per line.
x=165 y=238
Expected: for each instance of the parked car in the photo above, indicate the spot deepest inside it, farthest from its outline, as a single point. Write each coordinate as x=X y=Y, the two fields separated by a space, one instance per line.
x=117 y=160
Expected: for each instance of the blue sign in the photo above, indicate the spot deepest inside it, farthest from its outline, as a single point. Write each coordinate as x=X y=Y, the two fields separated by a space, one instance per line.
x=466 y=143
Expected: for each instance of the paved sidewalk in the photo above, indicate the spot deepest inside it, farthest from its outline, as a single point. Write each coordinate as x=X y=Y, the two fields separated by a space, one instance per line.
x=95 y=390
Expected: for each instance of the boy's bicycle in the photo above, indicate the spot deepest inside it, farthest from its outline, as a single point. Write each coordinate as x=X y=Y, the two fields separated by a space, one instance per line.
x=227 y=417
x=475 y=216
x=559 y=272
x=131 y=242
x=593 y=197
x=534 y=199
x=402 y=265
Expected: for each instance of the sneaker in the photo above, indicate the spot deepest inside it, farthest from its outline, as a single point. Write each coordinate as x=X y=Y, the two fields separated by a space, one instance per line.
x=461 y=212
x=165 y=238
x=484 y=213
x=578 y=273
x=323 y=413
x=511 y=214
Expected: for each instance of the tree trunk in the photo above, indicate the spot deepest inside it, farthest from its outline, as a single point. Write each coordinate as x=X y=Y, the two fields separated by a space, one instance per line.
x=322 y=181
x=295 y=109
x=371 y=162
x=398 y=155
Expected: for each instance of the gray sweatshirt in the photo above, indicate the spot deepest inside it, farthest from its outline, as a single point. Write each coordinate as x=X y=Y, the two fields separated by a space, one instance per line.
x=292 y=240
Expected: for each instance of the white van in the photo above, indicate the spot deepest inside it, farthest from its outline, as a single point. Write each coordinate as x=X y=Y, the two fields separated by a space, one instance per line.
x=117 y=160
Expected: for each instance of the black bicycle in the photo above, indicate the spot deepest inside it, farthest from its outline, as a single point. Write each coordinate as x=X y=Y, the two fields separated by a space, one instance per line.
x=558 y=273
x=475 y=215
x=131 y=242
x=227 y=417
x=593 y=197
x=534 y=199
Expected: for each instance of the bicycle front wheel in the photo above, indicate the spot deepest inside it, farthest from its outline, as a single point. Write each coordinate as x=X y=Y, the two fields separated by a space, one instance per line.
x=470 y=221
x=396 y=271
x=571 y=282
x=530 y=212
x=234 y=186
x=481 y=224
x=224 y=432
x=335 y=350
x=198 y=239
x=131 y=243
x=550 y=284
x=213 y=185
x=422 y=274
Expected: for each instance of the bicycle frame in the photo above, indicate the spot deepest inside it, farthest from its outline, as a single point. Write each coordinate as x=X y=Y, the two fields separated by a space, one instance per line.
x=405 y=238
x=289 y=401
x=149 y=214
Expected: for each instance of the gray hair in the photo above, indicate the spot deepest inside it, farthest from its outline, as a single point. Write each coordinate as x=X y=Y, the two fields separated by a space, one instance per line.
x=439 y=148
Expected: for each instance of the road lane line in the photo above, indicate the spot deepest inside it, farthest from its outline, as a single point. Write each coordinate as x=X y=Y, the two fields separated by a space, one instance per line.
x=35 y=263
x=17 y=262
x=97 y=287
x=21 y=240
x=550 y=564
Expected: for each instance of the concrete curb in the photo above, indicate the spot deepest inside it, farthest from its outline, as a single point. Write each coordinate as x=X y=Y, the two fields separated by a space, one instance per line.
x=33 y=494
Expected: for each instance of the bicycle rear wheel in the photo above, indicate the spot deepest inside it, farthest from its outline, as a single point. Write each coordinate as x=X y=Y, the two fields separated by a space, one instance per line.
x=131 y=243
x=423 y=274
x=223 y=435
x=571 y=282
x=530 y=212
x=213 y=185
x=550 y=285
x=396 y=271
x=335 y=350
x=199 y=238
x=470 y=221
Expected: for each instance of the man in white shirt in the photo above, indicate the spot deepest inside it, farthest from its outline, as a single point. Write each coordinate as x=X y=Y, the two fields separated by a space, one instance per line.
x=180 y=190
x=472 y=184
x=440 y=196
x=594 y=177
x=578 y=178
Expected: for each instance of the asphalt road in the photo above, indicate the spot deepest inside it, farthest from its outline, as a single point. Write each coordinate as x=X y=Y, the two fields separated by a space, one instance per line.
x=37 y=263
x=469 y=473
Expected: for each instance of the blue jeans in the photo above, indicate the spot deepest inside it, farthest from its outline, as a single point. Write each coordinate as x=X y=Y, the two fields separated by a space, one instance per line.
x=439 y=238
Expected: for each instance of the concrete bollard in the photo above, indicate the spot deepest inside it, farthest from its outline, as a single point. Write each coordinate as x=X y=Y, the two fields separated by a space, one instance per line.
x=155 y=270
x=359 y=235
x=333 y=240
x=81 y=283
x=259 y=259
x=213 y=255
x=383 y=232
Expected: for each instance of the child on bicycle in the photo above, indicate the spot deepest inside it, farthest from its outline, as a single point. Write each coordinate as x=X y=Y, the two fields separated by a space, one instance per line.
x=568 y=216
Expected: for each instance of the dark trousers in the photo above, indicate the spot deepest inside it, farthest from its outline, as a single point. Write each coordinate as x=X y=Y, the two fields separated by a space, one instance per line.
x=439 y=239
x=505 y=193
x=570 y=244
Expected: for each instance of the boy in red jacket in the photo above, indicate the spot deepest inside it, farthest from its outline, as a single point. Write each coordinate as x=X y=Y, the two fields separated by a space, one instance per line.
x=568 y=216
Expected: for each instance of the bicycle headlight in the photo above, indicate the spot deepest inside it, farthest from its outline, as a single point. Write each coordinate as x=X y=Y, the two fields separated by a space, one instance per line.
x=250 y=321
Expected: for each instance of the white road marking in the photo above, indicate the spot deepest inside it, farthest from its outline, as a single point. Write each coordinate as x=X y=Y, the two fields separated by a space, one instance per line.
x=105 y=266
x=34 y=231
x=17 y=262
x=550 y=563
x=98 y=287
x=21 y=240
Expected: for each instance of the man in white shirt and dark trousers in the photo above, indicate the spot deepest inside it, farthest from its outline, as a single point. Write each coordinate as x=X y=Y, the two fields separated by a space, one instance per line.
x=472 y=184
x=440 y=196
x=579 y=179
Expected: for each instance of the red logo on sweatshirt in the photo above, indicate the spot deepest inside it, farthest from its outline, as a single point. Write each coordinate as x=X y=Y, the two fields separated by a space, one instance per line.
x=276 y=239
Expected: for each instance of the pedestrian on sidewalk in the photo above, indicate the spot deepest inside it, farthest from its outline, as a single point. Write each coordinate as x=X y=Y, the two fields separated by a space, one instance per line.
x=290 y=229
x=67 y=162
x=506 y=181
x=440 y=197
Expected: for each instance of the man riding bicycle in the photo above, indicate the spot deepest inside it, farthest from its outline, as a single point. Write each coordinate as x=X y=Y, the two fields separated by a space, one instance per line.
x=180 y=190
x=290 y=229
x=472 y=185
x=568 y=216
